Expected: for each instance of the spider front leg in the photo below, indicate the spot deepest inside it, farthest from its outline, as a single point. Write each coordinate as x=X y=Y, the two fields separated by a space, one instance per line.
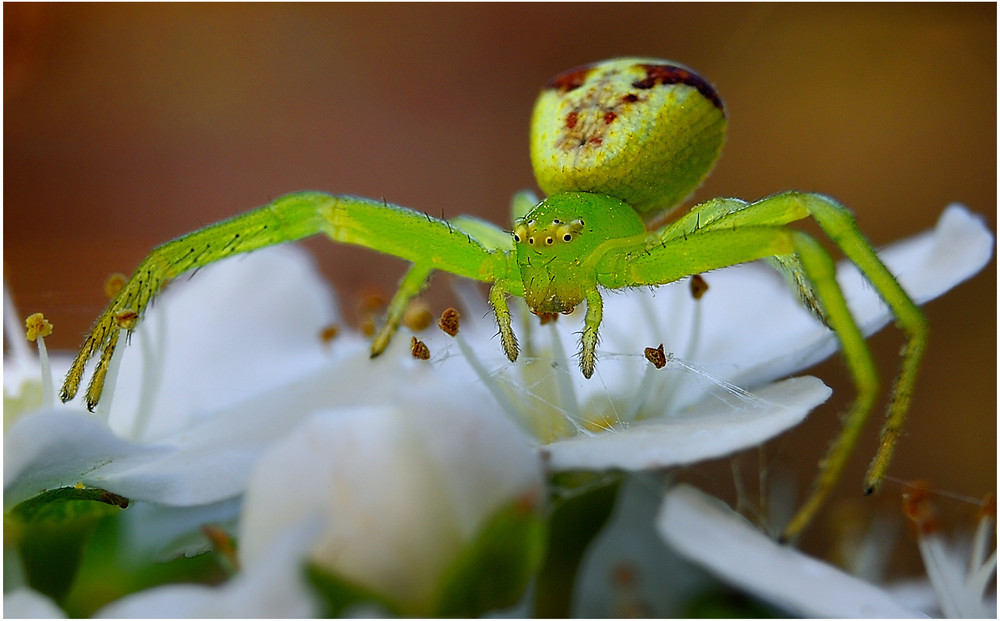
x=416 y=278
x=428 y=243
x=589 y=338
x=413 y=283
x=727 y=231
x=498 y=301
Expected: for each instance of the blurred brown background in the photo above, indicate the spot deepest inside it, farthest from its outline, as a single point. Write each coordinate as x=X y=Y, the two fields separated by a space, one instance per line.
x=126 y=125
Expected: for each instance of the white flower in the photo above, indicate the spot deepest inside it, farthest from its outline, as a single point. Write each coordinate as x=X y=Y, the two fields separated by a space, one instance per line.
x=243 y=364
x=199 y=440
x=748 y=330
x=24 y=603
x=243 y=345
x=960 y=572
x=387 y=498
x=713 y=537
x=400 y=491
x=188 y=468
x=235 y=364
x=708 y=533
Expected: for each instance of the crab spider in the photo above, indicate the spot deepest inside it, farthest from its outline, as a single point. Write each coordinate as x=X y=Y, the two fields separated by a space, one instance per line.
x=616 y=146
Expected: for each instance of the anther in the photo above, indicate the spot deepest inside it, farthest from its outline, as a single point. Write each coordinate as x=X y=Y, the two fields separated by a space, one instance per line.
x=37 y=328
x=329 y=333
x=656 y=356
x=418 y=349
x=417 y=316
x=114 y=284
x=698 y=286
x=449 y=321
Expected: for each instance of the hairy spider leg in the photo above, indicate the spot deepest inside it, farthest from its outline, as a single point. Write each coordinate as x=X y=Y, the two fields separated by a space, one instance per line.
x=498 y=300
x=729 y=231
x=590 y=337
x=838 y=222
x=417 y=277
x=412 y=284
x=425 y=241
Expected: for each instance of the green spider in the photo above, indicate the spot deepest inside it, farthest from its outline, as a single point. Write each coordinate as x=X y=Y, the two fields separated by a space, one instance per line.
x=616 y=145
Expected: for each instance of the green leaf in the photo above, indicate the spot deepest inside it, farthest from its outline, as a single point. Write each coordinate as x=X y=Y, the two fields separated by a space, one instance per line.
x=492 y=571
x=725 y=603
x=63 y=504
x=495 y=569
x=51 y=530
x=110 y=568
x=581 y=506
x=338 y=593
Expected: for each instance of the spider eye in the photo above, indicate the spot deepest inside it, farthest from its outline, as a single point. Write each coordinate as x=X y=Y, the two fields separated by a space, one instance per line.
x=567 y=237
x=517 y=237
x=548 y=241
x=531 y=241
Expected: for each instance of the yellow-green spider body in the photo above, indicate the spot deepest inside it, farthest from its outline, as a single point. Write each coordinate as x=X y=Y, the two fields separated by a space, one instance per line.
x=639 y=129
x=615 y=145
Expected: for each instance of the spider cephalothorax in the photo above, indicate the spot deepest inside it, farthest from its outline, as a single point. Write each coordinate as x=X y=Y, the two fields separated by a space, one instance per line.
x=558 y=246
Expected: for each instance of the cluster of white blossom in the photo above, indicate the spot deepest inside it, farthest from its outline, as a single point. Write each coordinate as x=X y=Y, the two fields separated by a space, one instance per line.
x=384 y=474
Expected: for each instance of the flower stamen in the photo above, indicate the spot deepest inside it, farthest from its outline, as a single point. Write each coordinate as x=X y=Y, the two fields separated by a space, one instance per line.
x=109 y=369
x=983 y=565
x=960 y=590
x=564 y=385
x=12 y=330
x=37 y=328
x=698 y=288
x=152 y=365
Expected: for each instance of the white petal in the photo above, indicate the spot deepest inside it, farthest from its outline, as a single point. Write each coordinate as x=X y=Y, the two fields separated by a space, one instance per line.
x=26 y=603
x=754 y=330
x=211 y=458
x=399 y=491
x=772 y=335
x=176 y=601
x=929 y=264
x=234 y=329
x=162 y=533
x=708 y=430
x=59 y=448
x=711 y=535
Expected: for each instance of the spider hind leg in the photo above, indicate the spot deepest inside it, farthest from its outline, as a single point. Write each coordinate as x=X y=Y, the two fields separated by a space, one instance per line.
x=815 y=266
x=724 y=232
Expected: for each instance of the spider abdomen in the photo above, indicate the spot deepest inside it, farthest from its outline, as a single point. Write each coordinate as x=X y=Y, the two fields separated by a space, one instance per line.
x=642 y=130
